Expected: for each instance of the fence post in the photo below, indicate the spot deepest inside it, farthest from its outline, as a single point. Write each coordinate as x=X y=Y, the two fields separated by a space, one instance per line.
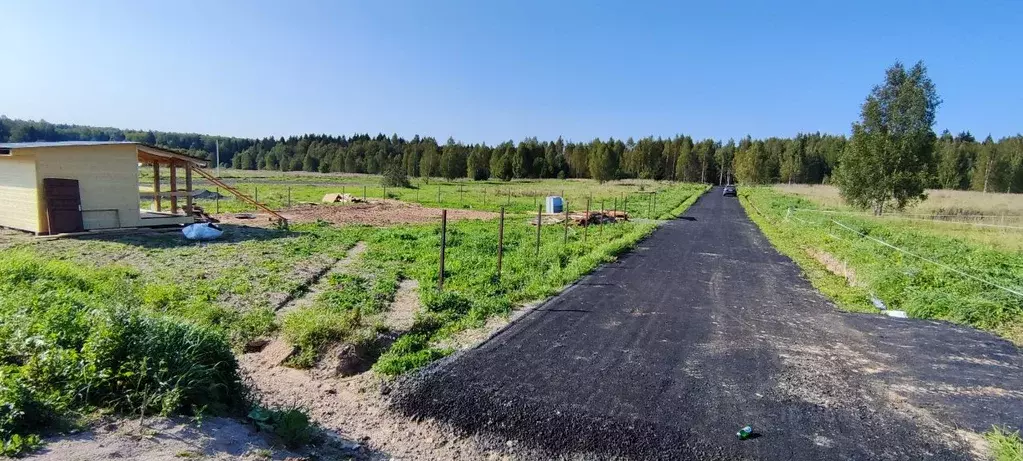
x=539 y=223
x=218 y=200
x=655 y=201
x=625 y=203
x=615 y=212
x=484 y=196
x=586 y=222
x=255 y=193
x=363 y=193
x=342 y=190
x=650 y=206
x=438 y=194
x=564 y=204
x=508 y=202
x=601 y=217
x=500 y=243
x=443 y=243
x=461 y=195
x=289 y=196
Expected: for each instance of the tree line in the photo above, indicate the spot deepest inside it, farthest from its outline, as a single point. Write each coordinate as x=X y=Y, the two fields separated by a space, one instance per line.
x=957 y=162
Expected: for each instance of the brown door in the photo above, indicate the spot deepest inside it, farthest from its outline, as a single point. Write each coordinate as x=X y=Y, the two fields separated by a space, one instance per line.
x=63 y=205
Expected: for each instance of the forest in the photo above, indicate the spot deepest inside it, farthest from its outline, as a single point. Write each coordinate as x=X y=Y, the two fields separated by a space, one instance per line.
x=957 y=162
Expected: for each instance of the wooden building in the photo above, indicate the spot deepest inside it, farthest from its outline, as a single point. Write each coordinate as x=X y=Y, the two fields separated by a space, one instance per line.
x=76 y=186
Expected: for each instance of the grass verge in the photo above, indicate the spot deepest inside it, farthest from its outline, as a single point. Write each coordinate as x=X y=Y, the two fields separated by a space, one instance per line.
x=1005 y=445
x=922 y=289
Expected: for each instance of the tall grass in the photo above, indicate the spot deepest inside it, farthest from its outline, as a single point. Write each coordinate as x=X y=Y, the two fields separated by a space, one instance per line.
x=73 y=338
x=921 y=288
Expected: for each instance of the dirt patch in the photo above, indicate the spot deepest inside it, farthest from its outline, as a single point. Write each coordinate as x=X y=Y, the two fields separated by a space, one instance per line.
x=165 y=439
x=833 y=265
x=316 y=282
x=403 y=309
x=356 y=409
x=375 y=213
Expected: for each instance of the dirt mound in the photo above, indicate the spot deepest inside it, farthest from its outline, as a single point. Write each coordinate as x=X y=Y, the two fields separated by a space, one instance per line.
x=376 y=213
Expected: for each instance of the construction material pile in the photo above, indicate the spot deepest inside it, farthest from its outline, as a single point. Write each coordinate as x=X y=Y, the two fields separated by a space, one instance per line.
x=582 y=219
x=341 y=198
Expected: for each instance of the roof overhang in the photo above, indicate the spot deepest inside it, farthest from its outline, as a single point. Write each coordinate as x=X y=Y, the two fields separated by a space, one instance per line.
x=149 y=154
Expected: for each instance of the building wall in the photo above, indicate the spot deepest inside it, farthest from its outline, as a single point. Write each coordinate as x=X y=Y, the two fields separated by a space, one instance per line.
x=19 y=200
x=108 y=179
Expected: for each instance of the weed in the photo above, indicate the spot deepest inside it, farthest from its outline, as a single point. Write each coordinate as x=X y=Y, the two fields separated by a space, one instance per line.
x=1005 y=445
x=291 y=425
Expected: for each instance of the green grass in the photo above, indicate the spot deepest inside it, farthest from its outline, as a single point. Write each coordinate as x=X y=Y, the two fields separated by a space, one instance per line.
x=1005 y=445
x=73 y=338
x=517 y=196
x=922 y=289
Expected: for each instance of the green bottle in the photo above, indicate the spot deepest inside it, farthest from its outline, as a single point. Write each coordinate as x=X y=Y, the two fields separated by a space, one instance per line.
x=744 y=433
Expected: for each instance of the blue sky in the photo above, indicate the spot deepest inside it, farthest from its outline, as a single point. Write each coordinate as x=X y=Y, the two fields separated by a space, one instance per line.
x=493 y=70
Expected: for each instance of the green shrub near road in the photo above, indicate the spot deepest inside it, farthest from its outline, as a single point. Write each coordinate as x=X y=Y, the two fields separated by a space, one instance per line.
x=921 y=288
x=73 y=339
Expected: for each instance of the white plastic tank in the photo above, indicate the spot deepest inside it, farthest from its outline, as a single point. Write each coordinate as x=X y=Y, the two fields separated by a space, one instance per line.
x=555 y=204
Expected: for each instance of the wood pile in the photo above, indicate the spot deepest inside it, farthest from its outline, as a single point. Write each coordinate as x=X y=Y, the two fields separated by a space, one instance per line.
x=582 y=219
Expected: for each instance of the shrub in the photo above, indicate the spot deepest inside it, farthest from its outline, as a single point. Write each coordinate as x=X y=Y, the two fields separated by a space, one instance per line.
x=394 y=176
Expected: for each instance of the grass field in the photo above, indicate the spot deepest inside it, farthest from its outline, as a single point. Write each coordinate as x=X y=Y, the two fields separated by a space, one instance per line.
x=518 y=196
x=841 y=256
x=993 y=219
x=150 y=323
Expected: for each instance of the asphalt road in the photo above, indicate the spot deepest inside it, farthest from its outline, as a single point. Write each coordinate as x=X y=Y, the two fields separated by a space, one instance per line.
x=703 y=329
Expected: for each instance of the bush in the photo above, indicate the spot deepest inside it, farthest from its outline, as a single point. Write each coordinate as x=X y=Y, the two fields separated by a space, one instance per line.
x=290 y=425
x=71 y=342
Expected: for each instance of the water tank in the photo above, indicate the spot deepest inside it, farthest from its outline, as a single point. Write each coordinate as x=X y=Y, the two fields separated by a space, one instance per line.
x=555 y=204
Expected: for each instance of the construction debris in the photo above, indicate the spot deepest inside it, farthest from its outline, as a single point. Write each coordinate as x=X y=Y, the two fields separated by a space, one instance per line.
x=341 y=198
x=580 y=219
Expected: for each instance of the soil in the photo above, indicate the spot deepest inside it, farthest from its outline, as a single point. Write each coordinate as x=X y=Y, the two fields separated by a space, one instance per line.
x=376 y=213
x=702 y=330
x=169 y=439
x=403 y=309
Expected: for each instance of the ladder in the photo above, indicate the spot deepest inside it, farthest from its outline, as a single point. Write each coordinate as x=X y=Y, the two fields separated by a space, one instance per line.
x=280 y=220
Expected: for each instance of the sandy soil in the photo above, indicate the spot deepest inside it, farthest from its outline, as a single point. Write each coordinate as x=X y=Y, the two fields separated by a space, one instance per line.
x=166 y=439
x=376 y=212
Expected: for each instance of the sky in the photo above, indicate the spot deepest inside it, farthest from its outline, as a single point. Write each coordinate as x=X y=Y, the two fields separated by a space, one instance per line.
x=494 y=70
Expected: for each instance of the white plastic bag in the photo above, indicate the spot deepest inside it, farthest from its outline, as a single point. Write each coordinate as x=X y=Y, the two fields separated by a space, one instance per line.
x=202 y=231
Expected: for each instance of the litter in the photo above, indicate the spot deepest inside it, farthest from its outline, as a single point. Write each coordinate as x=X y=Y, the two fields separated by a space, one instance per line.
x=897 y=314
x=202 y=231
x=744 y=433
x=878 y=303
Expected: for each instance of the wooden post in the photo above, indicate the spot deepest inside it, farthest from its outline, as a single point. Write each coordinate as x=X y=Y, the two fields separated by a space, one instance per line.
x=289 y=196
x=188 y=188
x=218 y=200
x=385 y=192
x=156 y=186
x=443 y=243
x=174 y=188
x=500 y=242
x=601 y=217
x=539 y=224
x=363 y=193
x=615 y=212
x=564 y=204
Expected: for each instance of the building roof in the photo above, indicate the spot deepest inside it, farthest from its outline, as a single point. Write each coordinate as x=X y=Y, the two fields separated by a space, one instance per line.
x=33 y=145
x=149 y=151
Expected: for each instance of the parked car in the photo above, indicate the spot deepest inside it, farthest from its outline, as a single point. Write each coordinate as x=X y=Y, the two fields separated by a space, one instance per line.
x=730 y=190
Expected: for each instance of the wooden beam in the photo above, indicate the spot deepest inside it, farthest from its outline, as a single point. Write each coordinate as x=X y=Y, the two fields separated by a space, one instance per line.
x=174 y=188
x=156 y=187
x=188 y=188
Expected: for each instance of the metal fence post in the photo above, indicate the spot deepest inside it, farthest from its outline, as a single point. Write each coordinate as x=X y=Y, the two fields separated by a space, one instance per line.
x=443 y=243
x=500 y=243
x=564 y=204
x=363 y=193
x=601 y=217
x=539 y=223
x=289 y=196
x=586 y=222
x=218 y=200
